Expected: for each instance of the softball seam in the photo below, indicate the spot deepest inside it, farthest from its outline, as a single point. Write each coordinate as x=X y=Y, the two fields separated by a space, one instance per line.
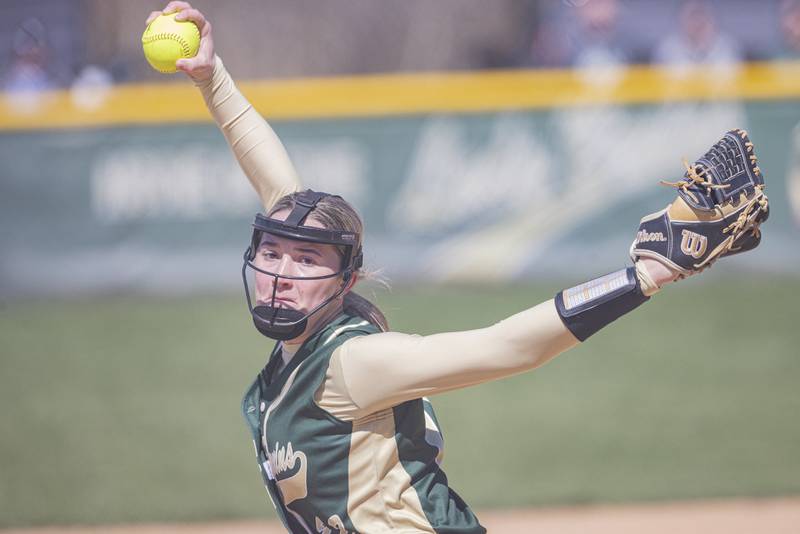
x=170 y=36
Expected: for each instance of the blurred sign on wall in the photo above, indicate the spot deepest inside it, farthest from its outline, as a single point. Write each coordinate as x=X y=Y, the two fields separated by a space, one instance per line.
x=495 y=196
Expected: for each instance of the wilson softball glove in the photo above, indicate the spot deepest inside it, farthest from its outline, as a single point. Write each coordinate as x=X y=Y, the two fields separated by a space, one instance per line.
x=720 y=207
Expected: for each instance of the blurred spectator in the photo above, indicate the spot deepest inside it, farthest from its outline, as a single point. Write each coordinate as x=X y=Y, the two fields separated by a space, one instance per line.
x=29 y=59
x=698 y=41
x=587 y=34
x=790 y=28
x=27 y=74
x=550 y=45
x=91 y=87
x=597 y=43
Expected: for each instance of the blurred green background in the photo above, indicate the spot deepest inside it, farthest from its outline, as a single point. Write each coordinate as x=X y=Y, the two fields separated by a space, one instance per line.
x=514 y=147
x=122 y=409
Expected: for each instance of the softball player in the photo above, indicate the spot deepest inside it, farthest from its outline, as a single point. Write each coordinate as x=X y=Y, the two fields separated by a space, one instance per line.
x=345 y=438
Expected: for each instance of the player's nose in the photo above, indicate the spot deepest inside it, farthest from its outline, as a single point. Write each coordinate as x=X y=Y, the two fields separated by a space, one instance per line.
x=286 y=267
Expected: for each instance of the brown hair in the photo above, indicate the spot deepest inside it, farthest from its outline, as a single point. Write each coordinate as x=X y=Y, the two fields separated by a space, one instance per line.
x=335 y=213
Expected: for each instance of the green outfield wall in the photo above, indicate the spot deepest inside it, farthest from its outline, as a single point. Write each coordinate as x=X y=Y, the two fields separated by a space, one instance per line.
x=466 y=193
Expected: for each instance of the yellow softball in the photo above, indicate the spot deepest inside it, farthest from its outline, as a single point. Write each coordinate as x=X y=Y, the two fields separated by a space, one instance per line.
x=166 y=40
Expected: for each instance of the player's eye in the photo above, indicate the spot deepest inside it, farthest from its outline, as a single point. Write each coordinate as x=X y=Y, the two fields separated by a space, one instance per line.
x=269 y=254
x=307 y=260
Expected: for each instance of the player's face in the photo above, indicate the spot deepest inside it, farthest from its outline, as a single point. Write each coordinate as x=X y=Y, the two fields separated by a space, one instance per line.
x=289 y=257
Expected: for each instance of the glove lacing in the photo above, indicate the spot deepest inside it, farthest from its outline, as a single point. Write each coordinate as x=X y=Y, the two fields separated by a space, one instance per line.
x=693 y=177
x=695 y=173
x=742 y=224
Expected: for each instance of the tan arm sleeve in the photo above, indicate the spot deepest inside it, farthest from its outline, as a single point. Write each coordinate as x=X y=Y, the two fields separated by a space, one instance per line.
x=410 y=366
x=260 y=153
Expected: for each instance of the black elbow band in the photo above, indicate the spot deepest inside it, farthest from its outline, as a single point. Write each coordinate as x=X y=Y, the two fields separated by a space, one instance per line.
x=588 y=307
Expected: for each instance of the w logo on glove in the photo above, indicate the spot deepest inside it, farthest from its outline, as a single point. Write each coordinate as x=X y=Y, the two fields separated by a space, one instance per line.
x=693 y=244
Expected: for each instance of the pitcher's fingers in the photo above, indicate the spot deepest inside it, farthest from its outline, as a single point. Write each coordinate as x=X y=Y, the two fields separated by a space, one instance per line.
x=190 y=64
x=205 y=31
x=151 y=17
x=186 y=65
x=198 y=74
x=192 y=15
x=175 y=5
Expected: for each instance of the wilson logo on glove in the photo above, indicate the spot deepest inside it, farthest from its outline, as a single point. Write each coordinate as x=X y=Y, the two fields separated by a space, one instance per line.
x=693 y=244
x=643 y=236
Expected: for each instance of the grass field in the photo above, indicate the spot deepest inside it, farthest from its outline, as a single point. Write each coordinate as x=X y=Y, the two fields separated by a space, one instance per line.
x=121 y=409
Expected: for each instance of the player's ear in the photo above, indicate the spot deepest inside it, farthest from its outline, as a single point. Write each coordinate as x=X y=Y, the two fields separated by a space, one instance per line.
x=350 y=280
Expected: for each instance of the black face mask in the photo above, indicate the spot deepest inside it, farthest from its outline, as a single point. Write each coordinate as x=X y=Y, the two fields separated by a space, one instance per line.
x=278 y=322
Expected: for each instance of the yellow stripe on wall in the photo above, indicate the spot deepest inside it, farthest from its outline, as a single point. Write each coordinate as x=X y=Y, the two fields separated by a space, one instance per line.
x=409 y=94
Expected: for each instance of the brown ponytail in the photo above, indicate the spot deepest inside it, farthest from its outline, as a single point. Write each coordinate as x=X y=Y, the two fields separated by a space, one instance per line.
x=355 y=304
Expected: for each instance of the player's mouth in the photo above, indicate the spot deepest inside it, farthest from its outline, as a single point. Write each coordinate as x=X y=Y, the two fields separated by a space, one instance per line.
x=278 y=303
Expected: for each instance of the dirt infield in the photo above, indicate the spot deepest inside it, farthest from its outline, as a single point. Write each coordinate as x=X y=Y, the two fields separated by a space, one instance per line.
x=775 y=516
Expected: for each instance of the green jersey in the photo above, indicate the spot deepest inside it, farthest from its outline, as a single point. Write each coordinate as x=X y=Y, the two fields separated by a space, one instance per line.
x=378 y=473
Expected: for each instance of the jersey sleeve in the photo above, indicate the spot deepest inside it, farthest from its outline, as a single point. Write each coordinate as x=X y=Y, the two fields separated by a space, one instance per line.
x=412 y=366
x=257 y=148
